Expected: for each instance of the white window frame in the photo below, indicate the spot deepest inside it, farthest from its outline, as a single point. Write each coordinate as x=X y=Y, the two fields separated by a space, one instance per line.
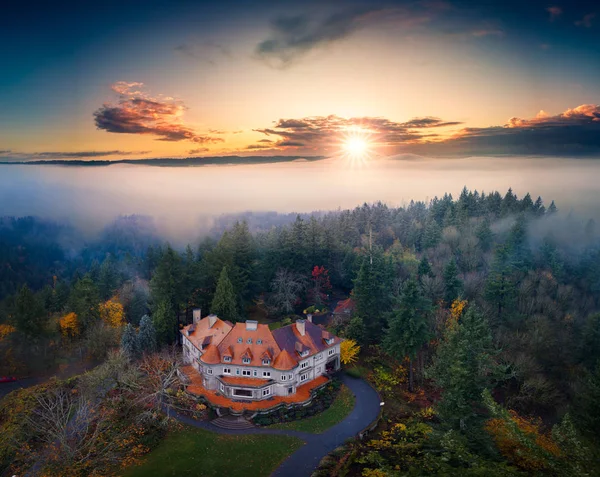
x=246 y=360
x=227 y=359
x=304 y=365
x=240 y=340
x=283 y=377
x=303 y=377
x=258 y=341
x=249 y=341
x=246 y=372
x=266 y=362
x=266 y=391
x=209 y=371
x=331 y=351
x=266 y=374
x=237 y=371
x=222 y=387
x=226 y=370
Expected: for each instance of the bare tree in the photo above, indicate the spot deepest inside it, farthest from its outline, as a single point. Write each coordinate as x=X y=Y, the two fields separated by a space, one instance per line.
x=286 y=287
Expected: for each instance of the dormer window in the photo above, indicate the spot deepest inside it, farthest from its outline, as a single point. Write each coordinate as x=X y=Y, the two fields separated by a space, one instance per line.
x=258 y=341
x=227 y=359
x=329 y=341
x=266 y=362
x=249 y=341
x=304 y=353
x=246 y=360
x=240 y=340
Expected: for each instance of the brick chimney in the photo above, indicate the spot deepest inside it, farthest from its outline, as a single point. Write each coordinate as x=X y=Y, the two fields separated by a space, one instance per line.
x=309 y=317
x=251 y=325
x=197 y=315
x=301 y=327
x=212 y=319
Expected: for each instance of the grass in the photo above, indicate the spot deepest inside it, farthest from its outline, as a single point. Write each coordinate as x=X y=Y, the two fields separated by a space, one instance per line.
x=194 y=452
x=339 y=409
x=358 y=372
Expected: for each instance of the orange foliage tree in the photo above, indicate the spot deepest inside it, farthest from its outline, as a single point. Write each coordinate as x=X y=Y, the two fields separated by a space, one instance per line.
x=6 y=330
x=112 y=313
x=69 y=325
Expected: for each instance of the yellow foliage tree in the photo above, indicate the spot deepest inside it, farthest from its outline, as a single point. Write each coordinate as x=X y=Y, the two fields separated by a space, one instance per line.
x=456 y=311
x=349 y=351
x=6 y=330
x=69 y=325
x=112 y=313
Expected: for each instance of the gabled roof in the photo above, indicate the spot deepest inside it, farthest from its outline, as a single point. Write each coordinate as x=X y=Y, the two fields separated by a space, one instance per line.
x=247 y=354
x=344 y=306
x=287 y=338
x=211 y=355
x=199 y=331
x=284 y=361
x=252 y=350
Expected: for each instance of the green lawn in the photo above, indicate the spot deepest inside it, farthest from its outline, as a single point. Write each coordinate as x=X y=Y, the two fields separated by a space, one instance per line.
x=194 y=452
x=339 y=409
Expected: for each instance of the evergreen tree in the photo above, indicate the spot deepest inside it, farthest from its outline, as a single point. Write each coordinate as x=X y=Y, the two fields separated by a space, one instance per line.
x=129 y=343
x=501 y=289
x=408 y=330
x=424 y=267
x=224 y=301
x=108 y=278
x=356 y=330
x=463 y=367
x=453 y=285
x=538 y=208
x=165 y=323
x=165 y=285
x=84 y=300
x=372 y=293
x=484 y=234
x=29 y=316
x=552 y=209
x=431 y=235
x=586 y=409
x=146 y=337
x=510 y=204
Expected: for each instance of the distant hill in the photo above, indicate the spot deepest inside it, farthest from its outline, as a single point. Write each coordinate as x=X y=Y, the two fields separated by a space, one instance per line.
x=175 y=162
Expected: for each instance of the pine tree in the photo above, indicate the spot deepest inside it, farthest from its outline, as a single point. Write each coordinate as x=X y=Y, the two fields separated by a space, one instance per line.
x=464 y=365
x=501 y=289
x=356 y=330
x=165 y=322
x=408 y=330
x=224 y=301
x=146 y=338
x=552 y=209
x=453 y=284
x=129 y=343
x=166 y=285
x=424 y=267
x=84 y=300
x=431 y=235
x=108 y=278
x=29 y=316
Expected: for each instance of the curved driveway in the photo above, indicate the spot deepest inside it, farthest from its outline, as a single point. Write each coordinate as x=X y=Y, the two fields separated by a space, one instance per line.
x=305 y=460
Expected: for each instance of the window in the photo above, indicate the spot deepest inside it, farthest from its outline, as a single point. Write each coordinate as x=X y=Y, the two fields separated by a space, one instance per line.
x=209 y=371
x=283 y=377
x=227 y=359
x=240 y=339
x=246 y=372
x=246 y=360
x=222 y=387
x=303 y=377
x=318 y=357
x=237 y=371
x=266 y=374
x=290 y=390
x=258 y=341
x=249 y=341
x=266 y=362
x=304 y=353
x=242 y=392
x=226 y=370
x=331 y=351
x=304 y=365
x=255 y=372
x=290 y=376
x=266 y=391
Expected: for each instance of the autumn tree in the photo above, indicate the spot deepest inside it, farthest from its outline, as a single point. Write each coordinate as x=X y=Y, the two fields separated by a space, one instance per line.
x=112 y=313
x=69 y=325
x=224 y=301
x=349 y=351
x=408 y=329
x=320 y=285
x=287 y=287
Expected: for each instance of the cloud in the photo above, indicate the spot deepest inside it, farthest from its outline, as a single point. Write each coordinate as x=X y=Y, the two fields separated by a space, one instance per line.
x=199 y=150
x=67 y=154
x=293 y=37
x=554 y=12
x=139 y=113
x=325 y=131
x=586 y=21
x=204 y=51
x=575 y=131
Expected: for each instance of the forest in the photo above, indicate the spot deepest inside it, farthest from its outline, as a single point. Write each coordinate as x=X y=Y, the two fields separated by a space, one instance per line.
x=481 y=313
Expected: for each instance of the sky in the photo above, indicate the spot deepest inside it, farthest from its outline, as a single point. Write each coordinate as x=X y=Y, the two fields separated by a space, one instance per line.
x=141 y=79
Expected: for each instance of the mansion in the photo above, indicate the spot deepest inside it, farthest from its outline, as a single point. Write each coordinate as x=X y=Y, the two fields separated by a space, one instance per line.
x=249 y=362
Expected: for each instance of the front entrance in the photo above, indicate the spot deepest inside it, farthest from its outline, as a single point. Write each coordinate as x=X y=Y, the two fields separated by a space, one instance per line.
x=332 y=365
x=290 y=390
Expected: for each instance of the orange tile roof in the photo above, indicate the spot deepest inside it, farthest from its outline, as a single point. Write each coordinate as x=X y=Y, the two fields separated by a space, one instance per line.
x=211 y=355
x=284 y=361
x=344 y=306
x=303 y=394
x=249 y=382
x=255 y=350
x=202 y=330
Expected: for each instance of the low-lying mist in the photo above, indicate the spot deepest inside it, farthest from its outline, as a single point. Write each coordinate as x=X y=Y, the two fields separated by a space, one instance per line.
x=185 y=201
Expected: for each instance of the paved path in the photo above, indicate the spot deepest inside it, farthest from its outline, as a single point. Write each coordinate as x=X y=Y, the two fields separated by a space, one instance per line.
x=306 y=459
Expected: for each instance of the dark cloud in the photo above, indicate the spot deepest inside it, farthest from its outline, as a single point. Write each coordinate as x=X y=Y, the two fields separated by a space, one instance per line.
x=573 y=132
x=324 y=131
x=264 y=140
x=294 y=36
x=68 y=155
x=138 y=113
x=199 y=150
x=586 y=21
x=258 y=146
x=204 y=51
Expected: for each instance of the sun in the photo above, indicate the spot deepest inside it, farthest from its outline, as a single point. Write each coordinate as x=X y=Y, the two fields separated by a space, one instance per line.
x=356 y=146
